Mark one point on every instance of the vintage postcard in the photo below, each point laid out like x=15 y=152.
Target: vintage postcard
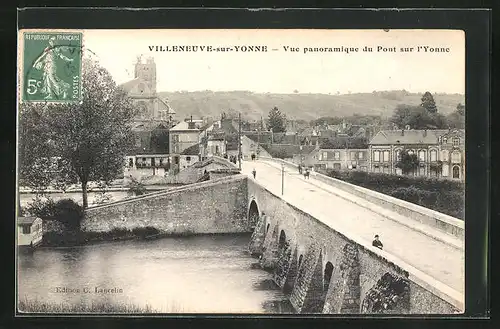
x=241 y=171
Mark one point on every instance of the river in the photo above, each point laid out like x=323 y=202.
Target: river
x=200 y=274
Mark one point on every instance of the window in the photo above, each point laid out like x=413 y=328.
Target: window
x=138 y=142
x=175 y=138
x=26 y=229
x=421 y=155
x=433 y=154
x=386 y=156
x=143 y=160
x=324 y=156
x=376 y=169
x=130 y=162
x=445 y=170
x=176 y=149
x=456 y=141
x=216 y=149
x=336 y=166
x=360 y=155
x=376 y=156
x=445 y=140
x=153 y=162
x=363 y=168
x=421 y=171
x=456 y=172
x=445 y=155
x=398 y=155
x=176 y=160
x=188 y=159
x=336 y=155
x=455 y=157
x=353 y=155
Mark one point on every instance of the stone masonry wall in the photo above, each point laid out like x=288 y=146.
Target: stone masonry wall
x=208 y=207
x=357 y=268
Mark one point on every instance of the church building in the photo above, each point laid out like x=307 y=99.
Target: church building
x=152 y=109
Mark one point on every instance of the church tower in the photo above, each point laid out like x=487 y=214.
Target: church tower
x=147 y=72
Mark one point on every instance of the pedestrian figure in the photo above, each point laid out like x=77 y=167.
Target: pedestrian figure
x=306 y=174
x=300 y=169
x=253 y=156
x=377 y=243
x=254 y=173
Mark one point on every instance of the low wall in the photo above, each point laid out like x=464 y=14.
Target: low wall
x=443 y=222
x=217 y=206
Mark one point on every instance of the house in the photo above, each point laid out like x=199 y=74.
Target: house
x=452 y=154
x=187 y=157
x=142 y=90
x=29 y=231
x=338 y=159
x=150 y=153
x=440 y=152
x=183 y=135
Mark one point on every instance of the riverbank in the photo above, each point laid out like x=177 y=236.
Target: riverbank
x=26 y=305
x=80 y=238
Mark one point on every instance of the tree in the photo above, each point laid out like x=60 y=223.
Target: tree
x=461 y=109
x=417 y=117
x=90 y=139
x=456 y=119
x=35 y=147
x=407 y=162
x=322 y=121
x=428 y=103
x=277 y=121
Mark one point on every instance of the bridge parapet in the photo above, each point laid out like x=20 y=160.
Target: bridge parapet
x=442 y=222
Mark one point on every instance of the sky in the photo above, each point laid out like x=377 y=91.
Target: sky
x=283 y=71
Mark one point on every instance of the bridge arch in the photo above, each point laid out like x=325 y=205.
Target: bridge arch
x=253 y=214
x=327 y=275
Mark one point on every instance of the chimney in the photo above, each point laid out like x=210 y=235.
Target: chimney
x=402 y=132
x=425 y=132
x=191 y=118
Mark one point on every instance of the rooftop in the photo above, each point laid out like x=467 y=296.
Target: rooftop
x=26 y=220
x=192 y=150
x=430 y=136
x=184 y=126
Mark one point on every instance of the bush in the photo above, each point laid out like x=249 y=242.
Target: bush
x=442 y=195
x=42 y=206
x=66 y=211
x=136 y=188
x=410 y=194
x=69 y=213
x=143 y=232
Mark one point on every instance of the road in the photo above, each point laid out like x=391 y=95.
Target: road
x=433 y=257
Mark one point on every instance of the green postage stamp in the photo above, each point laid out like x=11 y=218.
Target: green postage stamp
x=51 y=66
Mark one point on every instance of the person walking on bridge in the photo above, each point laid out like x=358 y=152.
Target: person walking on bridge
x=254 y=173
x=377 y=243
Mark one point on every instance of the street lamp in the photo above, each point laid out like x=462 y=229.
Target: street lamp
x=282 y=178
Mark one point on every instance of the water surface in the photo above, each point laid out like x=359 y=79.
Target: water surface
x=201 y=274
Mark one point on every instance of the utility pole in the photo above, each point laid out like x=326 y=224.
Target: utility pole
x=239 y=140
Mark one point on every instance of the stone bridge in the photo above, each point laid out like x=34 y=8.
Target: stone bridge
x=315 y=237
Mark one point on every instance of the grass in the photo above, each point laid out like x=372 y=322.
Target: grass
x=36 y=306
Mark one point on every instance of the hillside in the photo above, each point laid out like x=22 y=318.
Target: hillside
x=299 y=106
